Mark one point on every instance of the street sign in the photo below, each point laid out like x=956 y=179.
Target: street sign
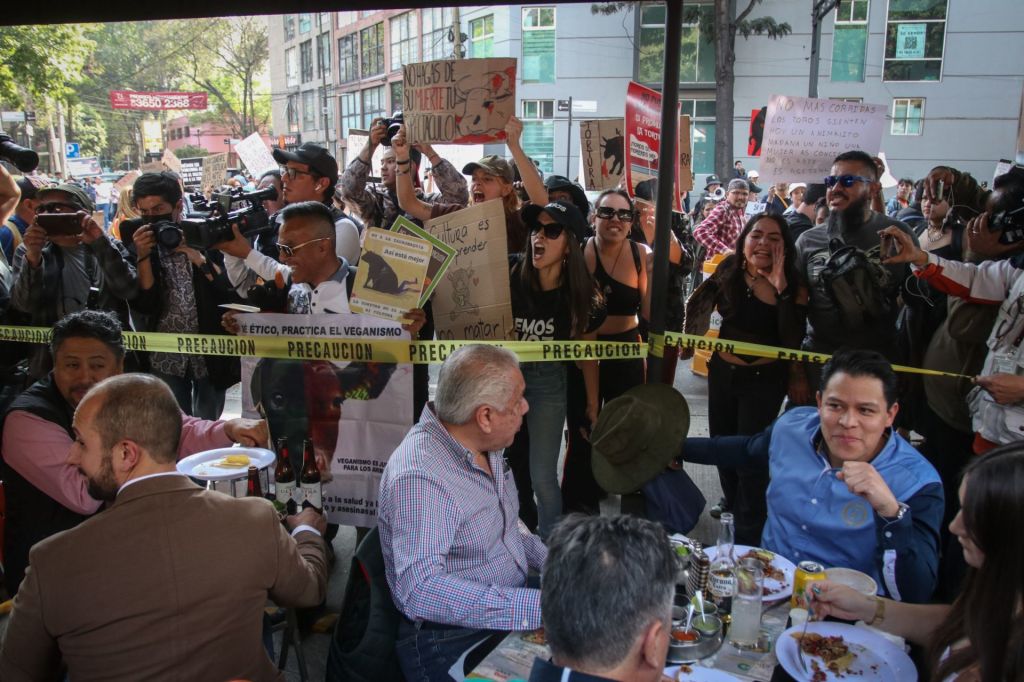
x=72 y=150
x=584 y=106
x=563 y=105
x=30 y=115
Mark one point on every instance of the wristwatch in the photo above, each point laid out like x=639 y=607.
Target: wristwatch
x=904 y=508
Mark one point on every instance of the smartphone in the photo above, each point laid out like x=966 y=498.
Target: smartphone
x=940 y=191
x=60 y=224
x=890 y=246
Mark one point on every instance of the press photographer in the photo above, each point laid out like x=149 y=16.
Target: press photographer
x=181 y=287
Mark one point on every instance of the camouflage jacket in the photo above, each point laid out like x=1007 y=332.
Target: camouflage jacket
x=378 y=206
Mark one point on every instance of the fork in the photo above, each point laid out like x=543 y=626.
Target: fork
x=800 y=645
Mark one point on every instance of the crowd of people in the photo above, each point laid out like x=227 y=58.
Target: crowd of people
x=860 y=470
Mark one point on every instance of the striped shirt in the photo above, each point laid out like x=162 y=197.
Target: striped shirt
x=455 y=551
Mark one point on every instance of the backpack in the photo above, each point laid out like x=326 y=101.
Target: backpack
x=856 y=284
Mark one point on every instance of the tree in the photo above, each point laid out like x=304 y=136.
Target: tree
x=721 y=26
x=190 y=151
x=41 y=61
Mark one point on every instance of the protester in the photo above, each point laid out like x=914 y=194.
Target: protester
x=901 y=199
x=23 y=214
x=776 y=199
x=802 y=217
x=457 y=559
x=711 y=186
x=44 y=494
x=104 y=189
x=606 y=600
x=103 y=598
x=758 y=293
x=752 y=177
x=561 y=188
x=125 y=211
x=718 y=232
x=981 y=635
x=739 y=171
x=795 y=191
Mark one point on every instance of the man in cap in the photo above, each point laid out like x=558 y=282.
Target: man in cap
x=561 y=188
x=795 y=192
x=719 y=231
x=752 y=177
x=57 y=274
x=711 y=185
x=13 y=229
x=803 y=215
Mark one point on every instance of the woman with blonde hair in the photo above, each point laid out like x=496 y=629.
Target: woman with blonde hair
x=125 y=211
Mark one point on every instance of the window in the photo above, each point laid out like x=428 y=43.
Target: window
x=292 y=111
x=437 y=22
x=371 y=42
x=373 y=105
x=849 y=41
x=291 y=67
x=915 y=39
x=188 y=132
x=289 y=26
x=308 y=110
x=539 y=132
x=702 y=133
x=346 y=18
x=907 y=115
x=348 y=106
x=323 y=55
x=481 y=37
x=538 y=45
x=348 y=59
x=697 y=52
x=306 y=61
x=396 y=95
x=403 y=40
x=326 y=109
x=305 y=23
x=538 y=108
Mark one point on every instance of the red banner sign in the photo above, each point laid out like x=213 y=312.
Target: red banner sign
x=130 y=99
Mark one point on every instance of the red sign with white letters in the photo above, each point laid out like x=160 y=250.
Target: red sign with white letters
x=131 y=99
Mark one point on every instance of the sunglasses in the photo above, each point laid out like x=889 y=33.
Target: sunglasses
x=290 y=173
x=845 y=180
x=624 y=215
x=58 y=207
x=550 y=230
x=289 y=251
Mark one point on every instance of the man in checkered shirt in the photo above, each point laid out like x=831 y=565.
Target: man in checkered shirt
x=719 y=231
x=456 y=554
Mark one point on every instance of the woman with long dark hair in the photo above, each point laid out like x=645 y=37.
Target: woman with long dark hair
x=981 y=635
x=757 y=291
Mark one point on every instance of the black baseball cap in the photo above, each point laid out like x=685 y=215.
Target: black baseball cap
x=314 y=156
x=563 y=213
x=711 y=180
x=77 y=194
x=579 y=197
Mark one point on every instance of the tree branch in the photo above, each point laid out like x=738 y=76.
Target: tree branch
x=745 y=13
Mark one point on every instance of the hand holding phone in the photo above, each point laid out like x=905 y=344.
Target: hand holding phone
x=61 y=224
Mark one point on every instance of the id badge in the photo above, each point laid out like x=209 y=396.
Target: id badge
x=1005 y=363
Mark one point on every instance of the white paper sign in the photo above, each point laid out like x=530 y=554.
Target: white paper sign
x=256 y=156
x=802 y=136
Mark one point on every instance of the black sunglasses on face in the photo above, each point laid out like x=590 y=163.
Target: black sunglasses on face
x=58 y=207
x=845 y=180
x=607 y=213
x=551 y=230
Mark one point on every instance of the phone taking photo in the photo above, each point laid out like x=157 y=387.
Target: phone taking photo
x=890 y=246
x=60 y=224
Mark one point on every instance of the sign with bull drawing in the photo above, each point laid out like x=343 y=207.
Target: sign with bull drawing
x=602 y=155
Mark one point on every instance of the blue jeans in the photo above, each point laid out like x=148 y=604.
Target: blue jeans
x=427 y=655
x=196 y=397
x=545 y=393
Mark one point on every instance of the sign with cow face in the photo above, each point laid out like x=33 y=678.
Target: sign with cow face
x=601 y=151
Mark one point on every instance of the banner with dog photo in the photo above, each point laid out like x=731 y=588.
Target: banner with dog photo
x=356 y=410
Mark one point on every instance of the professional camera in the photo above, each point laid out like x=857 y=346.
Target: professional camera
x=208 y=231
x=26 y=160
x=168 y=233
x=393 y=124
x=199 y=202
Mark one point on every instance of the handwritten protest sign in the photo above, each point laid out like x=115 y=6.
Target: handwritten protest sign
x=215 y=166
x=472 y=300
x=441 y=255
x=643 y=145
x=462 y=101
x=356 y=411
x=803 y=135
x=170 y=161
x=256 y=156
x=192 y=172
x=602 y=152
x=392 y=270
x=127 y=180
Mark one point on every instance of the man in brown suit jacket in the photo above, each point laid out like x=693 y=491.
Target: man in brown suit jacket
x=170 y=582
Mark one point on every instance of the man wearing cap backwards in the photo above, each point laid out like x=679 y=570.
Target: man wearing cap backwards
x=57 y=275
x=719 y=231
x=378 y=204
x=456 y=555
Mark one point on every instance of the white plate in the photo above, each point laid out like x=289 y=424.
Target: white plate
x=778 y=590
x=700 y=674
x=877 y=657
x=198 y=465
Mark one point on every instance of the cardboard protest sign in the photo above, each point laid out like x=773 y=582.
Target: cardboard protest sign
x=215 y=166
x=684 y=149
x=803 y=135
x=462 y=101
x=126 y=180
x=643 y=145
x=392 y=270
x=152 y=167
x=357 y=139
x=256 y=156
x=472 y=300
x=192 y=172
x=355 y=412
x=602 y=152
x=170 y=161
x=441 y=255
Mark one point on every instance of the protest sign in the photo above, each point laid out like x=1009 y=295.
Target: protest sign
x=357 y=139
x=126 y=180
x=152 y=136
x=472 y=300
x=602 y=152
x=192 y=172
x=753 y=208
x=441 y=255
x=256 y=156
x=83 y=167
x=152 y=167
x=392 y=270
x=356 y=411
x=170 y=161
x=643 y=145
x=684 y=149
x=215 y=166
x=462 y=101
x=803 y=135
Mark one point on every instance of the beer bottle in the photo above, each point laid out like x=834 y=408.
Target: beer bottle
x=254 y=488
x=722 y=575
x=284 y=477
x=309 y=478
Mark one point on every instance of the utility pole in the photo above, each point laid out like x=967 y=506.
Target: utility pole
x=456 y=32
x=819 y=10
x=62 y=139
x=568 y=141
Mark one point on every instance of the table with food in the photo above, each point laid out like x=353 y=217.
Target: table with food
x=776 y=642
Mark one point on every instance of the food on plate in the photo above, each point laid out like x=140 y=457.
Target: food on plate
x=765 y=557
x=831 y=649
x=535 y=637
x=232 y=462
x=683 y=670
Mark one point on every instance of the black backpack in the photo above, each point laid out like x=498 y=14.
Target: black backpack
x=856 y=284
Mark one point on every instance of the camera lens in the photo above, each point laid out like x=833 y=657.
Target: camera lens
x=169 y=236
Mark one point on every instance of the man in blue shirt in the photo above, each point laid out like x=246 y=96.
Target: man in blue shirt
x=846 y=489
x=14 y=229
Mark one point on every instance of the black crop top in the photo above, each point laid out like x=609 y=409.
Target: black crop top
x=619 y=298
x=751 y=319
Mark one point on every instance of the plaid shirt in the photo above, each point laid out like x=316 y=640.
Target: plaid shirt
x=720 y=230
x=454 y=549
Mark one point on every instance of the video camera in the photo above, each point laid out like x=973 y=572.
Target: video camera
x=206 y=230
x=394 y=124
x=24 y=159
x=1007 y=207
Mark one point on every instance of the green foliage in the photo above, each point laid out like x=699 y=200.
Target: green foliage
x=86 y=127
x=607 y=8
x=42 y=60
x=190 y=151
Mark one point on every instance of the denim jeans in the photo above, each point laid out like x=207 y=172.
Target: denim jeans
x=428 y=655
x=545 y=393
x=196 y=397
